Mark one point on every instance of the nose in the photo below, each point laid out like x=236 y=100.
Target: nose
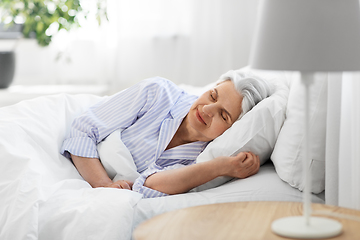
x=209 y=109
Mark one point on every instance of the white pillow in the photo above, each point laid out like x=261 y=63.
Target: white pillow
x=116 y=158
x=288 y=151
x=257 y=131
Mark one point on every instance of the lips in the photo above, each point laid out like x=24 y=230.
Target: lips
x=198 y=116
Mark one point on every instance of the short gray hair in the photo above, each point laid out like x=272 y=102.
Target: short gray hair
x=251 y=87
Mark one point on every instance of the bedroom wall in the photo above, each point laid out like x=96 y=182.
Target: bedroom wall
x=190 y=42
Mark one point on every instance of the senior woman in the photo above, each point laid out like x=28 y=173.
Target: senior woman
x=165 y=129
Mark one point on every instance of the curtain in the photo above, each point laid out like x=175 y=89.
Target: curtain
x=343 y=141
x=186 y=41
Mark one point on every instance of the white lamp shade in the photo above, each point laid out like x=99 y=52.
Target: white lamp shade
x=307 y=35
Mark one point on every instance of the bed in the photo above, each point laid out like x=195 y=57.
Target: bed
x=42 y=196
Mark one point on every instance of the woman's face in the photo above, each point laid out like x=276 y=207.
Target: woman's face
x=215 y=111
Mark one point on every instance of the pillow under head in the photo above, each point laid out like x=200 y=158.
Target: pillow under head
x=256 y=131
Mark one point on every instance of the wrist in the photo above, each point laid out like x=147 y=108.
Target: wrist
x=102 y=183
x=222 y=166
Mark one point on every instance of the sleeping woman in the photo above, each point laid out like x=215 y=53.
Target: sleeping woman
x=165 y=129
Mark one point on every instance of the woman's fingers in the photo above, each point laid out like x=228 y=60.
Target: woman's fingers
x=241 y=156
x=249 y=164
x=254 y=168
x=122 y=184
x=250 y=160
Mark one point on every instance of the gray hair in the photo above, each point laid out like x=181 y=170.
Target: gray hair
x=252 y=88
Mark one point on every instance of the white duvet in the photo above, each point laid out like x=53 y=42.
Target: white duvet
x=42 y=196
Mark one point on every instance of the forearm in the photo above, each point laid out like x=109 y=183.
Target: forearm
x=182 y=180
x=92 y=171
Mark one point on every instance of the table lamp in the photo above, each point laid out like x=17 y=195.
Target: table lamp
x=308 y=36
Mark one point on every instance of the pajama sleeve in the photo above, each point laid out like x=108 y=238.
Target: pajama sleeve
x=118 y=112
x=148 y=192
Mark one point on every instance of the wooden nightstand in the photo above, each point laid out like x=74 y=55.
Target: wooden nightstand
x=238 y=220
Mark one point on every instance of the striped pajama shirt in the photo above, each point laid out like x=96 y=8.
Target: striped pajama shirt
x=148 y=114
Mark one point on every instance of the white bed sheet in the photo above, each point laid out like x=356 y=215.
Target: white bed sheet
x=264 y=186
x=42 y=196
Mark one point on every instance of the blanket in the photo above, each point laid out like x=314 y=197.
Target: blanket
x=42 y=194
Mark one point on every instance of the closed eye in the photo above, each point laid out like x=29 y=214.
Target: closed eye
x=212 y=95
x=223 y=116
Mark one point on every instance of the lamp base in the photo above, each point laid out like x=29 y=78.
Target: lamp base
x=296 y=227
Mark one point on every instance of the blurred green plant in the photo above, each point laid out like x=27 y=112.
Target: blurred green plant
x=43 y=18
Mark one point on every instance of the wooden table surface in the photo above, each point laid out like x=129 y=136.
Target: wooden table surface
x=238 y=220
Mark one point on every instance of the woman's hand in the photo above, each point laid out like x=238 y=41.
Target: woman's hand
x=94 y=173
x=243 y=165
x=121 y=184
